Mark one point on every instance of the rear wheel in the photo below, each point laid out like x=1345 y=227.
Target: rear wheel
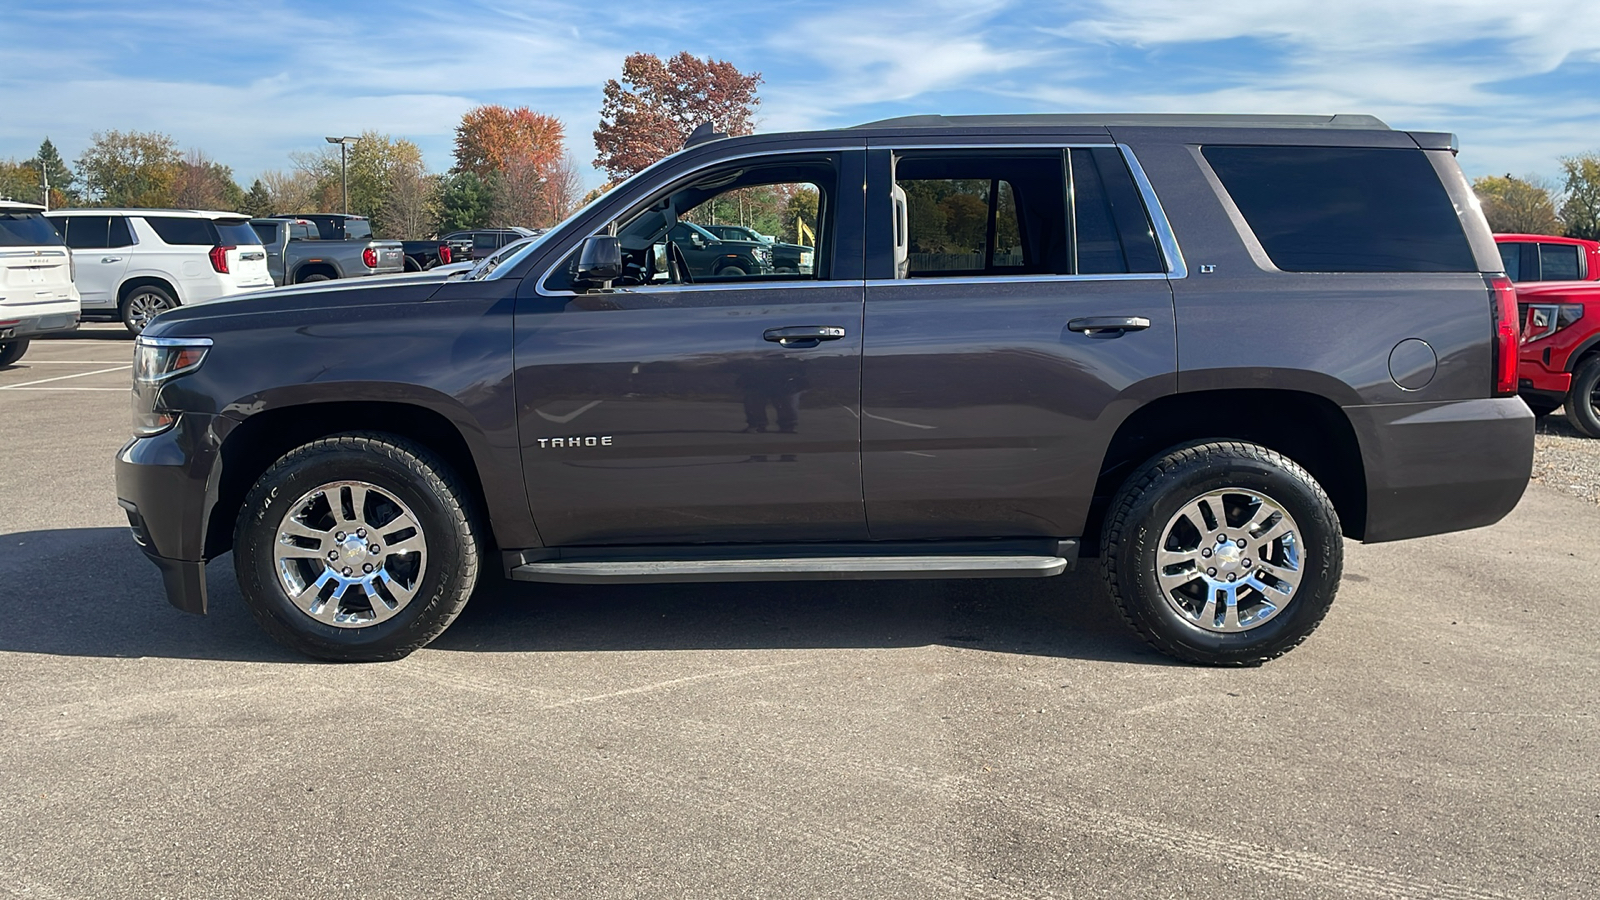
x=1583 y=401
x=1222 y=553
x=143 y=304
x=318 y=277
x=12 y=350
x=357 y=547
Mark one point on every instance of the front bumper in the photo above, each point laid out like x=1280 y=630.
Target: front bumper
x=167 y=485
x=1433 y=468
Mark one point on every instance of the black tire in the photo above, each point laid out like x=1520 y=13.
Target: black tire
x=1541 y=408
x=144 y=303
x=1158 y=490
x=412 y=265
x=315 y=277
x=731 y=272
x=413 y=475
x=12 y=350
x=1583 y=401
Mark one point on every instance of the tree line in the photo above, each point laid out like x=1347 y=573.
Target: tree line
x=1535 y=205
x=511 y=165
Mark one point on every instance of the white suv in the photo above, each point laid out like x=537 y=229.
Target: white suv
x=134 y=263
x=36 y=292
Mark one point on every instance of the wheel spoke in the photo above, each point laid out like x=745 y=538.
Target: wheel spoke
x=300 y=529
x=307 y=597
x=1166 y=558
x=1287 y=579
x=411 y=544
x=1264 y=511
x=380 y=607
x=1282 y=527
x=400 y=592
x=1208 y=613
x=1230 y=611
x=358 y=505
x=330 y=609
x=398 y=524
x=292 y=551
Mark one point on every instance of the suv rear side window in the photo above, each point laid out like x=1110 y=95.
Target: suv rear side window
x=183 y=230
x=1344 y=209
x=86 y=232
x=1013 y=214
x=27 y=229
x=1558 y=262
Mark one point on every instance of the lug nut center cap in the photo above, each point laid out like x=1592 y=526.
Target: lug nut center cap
x=353 y=549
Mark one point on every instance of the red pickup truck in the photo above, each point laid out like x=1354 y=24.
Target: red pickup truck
x=1558 y=296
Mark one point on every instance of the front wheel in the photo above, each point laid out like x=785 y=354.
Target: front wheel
x=12 y=350
x=143 y=304
x=358 y=547
x=1583 y=401
x=1222 y=553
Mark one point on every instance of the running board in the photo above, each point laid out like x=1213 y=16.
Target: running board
x=825 y=568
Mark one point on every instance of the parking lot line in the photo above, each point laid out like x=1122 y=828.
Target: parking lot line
x=13 y=387
x=19 y=388
x=69 y=362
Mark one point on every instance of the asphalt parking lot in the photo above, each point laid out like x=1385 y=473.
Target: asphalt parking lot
x=1436 y=738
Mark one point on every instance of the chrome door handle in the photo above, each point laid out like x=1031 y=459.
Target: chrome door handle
x=804 y=335
x=110 y=259
x=1110 y=326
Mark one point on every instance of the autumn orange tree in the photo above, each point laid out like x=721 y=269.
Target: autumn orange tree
x=494 y=138
x=656 y=105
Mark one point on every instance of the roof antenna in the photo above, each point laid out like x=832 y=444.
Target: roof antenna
x=703 y=132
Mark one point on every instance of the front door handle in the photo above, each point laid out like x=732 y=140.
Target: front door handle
x=1109 y=326
x=804 y=335
x=110 y=259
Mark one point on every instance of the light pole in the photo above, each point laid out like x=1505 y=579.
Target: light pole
x=344 y=179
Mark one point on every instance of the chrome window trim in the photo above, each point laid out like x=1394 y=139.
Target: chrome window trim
x=1176 y=267
x=719 y=286
x=1017 y=279
x=10 y=254
x=539 y=288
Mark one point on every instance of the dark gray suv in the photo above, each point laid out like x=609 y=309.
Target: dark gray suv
x=1202 y=349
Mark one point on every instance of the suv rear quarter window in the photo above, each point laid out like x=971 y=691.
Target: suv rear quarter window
x=183 y=231
x=1344 y=209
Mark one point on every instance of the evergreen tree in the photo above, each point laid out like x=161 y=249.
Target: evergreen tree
x=466 y=201
x=258 y=202
x=49 y=162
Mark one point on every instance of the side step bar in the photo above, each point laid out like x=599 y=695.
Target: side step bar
x=826 y=568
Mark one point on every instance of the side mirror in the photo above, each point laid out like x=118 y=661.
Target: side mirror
x=600 y=259
x=698 y=241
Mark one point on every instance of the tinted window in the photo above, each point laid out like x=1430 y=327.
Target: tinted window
x=1511 y=260
x=1558 y=262
x=1343 y=209
x=485 y=240
x=183 y=231
x=984 y=215
x=120 y=235
x=235 y=233
x=1113 y=230
x=27 y=229
x=87 y=232
x=266 y=232
x=357 y=230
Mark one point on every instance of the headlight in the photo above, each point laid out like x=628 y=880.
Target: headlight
x=1545 y=319
x=763 y=256
x=157 y=361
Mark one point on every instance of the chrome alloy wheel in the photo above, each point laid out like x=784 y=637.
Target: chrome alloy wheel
x=350 y=554
x=1230 y=560
x=144 y=306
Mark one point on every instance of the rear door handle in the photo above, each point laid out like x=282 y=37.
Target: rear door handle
x=1108 y=325
x=804 y=335
x=110 y=259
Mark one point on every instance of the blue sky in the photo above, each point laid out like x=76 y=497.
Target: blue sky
x=251 y=82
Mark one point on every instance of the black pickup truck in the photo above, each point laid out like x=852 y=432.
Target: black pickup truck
x=1204 y=349
x=419 y=255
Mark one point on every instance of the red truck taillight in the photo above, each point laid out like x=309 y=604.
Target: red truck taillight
x=219 y=259
x=370 y=257
x=1507 y=334
x=444 y=254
